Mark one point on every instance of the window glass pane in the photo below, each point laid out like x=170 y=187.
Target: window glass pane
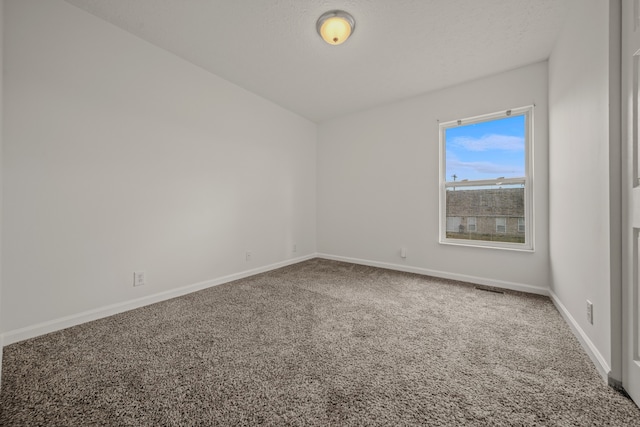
x=471 y=224
x=486 y=150
x=453 y=223
x=485 y=188
x=495 y=213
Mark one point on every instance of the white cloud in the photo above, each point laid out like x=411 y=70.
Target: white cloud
x=493 y=169
x=490 y=142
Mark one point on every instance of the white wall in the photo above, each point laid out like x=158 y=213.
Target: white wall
x=1 y=173
x=119 y=156
x=615 y=187
x=378 y=183
x=579 y=198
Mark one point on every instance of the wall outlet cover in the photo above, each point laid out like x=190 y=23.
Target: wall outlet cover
x=139 y=278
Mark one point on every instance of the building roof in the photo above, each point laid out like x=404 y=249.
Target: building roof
x=494 y=202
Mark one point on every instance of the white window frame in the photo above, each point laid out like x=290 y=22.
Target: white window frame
x=501 y=221
x=522 y=225
x=527 y=181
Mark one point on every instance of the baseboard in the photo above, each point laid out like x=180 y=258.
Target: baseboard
x=1 y=346
x=616 y=384
x=33 y=331
x=598 y=360
x=442 y=274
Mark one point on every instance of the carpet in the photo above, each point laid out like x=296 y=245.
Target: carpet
x=316 y=343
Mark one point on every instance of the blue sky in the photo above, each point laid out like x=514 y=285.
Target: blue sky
x=486 y=150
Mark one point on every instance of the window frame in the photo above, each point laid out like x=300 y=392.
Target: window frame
x=503 y=221
x=528 y=181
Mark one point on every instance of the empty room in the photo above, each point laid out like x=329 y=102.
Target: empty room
x=301 y=212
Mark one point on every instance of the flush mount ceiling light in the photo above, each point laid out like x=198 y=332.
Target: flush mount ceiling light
x=335 y=26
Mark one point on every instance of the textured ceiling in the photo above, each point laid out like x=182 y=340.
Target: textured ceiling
x=400 y=48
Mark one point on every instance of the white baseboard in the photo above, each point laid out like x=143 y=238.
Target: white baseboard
x=33 y=331
x=1 y=346
x=443 y=274
x=596 y=358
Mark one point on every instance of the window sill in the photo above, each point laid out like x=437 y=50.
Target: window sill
x=489 y=245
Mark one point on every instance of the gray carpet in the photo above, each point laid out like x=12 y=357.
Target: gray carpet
x=317 y=343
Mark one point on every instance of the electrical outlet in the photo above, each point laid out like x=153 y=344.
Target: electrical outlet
x=403 y=252
x=590 y=312
x=248 y=256
x=139 y=278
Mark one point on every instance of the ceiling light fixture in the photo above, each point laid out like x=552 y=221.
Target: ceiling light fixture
x=335 y=26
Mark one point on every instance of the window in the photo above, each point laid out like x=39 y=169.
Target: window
x=471 y=224
x=486 y=177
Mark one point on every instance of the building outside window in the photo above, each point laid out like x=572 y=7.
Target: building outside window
x=471 y=224
x=454 y=223
x=486 y=186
